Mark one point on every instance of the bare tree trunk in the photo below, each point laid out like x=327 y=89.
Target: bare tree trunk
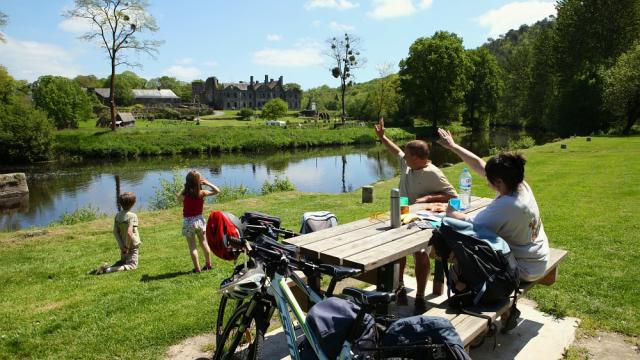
x=344 y=90
x=112 y=94
x=632 y=116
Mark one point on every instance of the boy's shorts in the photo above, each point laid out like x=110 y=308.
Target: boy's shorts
x=131 y=259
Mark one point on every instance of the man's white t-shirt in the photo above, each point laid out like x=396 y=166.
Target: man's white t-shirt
x=516 y=218
x=415 y=184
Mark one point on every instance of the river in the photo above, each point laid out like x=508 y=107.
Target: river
x=57 y=188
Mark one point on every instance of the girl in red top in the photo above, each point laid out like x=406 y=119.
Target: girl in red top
x=192 y=198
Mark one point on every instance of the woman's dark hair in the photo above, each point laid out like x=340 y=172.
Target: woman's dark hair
x=192 y=185
x=508 y=167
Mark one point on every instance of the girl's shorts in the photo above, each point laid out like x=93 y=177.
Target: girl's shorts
x=192 y=226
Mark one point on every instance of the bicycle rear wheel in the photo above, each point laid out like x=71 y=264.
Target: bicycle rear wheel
x=243 y=336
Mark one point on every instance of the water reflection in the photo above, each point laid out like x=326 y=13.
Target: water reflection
x=57 y=188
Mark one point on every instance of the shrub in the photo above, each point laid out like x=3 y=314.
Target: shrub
x=278 y=185
x=82 y=214
x=274 y=109
x=245 y=114
x=26 y=134
x=523 y=142
x=230 y=193
x=165 y=196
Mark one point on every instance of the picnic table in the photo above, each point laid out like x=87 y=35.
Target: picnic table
x=371 y=245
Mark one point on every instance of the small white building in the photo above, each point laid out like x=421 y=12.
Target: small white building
x=276 y=123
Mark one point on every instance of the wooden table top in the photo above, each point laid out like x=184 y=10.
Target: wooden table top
x=370 y=243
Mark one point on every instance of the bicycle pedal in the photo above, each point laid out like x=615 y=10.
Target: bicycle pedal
x=297 y=327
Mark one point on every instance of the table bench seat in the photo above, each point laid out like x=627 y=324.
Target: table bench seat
x=471 y=327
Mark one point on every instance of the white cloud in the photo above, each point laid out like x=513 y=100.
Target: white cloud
x=185 y=61
x=512 y=15
x=185 y=73
x=274 y=37
x=340 y=27
x=330 y=4
x=385 y=9
x=29 y=60
x=300 y=55
x=210 y=63
x=75 y=25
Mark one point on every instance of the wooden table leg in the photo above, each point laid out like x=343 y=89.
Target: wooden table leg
x=438 y=277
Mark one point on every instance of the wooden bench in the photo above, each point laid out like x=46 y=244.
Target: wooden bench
x=472 y=327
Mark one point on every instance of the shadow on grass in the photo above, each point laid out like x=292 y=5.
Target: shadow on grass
x=147 y=278
x=100 y=133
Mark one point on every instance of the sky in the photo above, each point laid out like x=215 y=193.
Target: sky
x=233 y=40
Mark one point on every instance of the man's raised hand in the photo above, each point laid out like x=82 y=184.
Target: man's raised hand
x=379 y=127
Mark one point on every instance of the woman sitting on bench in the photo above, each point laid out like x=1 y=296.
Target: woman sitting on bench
x=513 y=214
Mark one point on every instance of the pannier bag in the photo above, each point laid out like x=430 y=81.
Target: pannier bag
x=317 y=220
x=221 y=225
x=422 y=337
x=484 y=271
x=331 y=321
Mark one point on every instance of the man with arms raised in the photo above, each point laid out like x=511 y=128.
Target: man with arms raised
x=421 y=182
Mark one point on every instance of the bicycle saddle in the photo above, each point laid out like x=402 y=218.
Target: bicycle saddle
x=373 y=298
x=338 y=272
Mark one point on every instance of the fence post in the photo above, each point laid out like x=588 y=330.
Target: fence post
x=367 y=194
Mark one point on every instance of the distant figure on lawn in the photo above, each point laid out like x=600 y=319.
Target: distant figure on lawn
x=193 y=225
x=421 y=182
x=125 y=230
x=513 y=214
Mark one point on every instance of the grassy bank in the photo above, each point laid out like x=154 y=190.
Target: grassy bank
x=52 y=307
x=164 y=138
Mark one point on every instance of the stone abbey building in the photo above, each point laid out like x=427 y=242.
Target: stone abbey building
x=242 y=95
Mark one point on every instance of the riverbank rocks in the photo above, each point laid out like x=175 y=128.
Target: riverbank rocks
x=14 y=192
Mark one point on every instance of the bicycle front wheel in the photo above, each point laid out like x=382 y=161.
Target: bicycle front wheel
x=242 y=338
x=226 y=309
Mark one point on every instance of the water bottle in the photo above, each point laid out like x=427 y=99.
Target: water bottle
x=465 y=189
x=394 y=211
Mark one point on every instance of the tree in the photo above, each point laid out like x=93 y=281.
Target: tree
x=385 y=94
x=583 y=47
x=62 y=99
x=245 y=114
x=3 y=22
x=274 y=109
x=346 y=56
x=485 y=86
x=433 y=76
x=622 y=88
x=116 y=25
x=127 y=81
x=88 y=81
x=26 y=134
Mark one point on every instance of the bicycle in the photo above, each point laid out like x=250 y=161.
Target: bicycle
x=266 y=290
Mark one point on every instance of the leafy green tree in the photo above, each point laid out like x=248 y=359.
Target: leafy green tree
x=433 y=76
x=3 y=22
x=62 y=99
x=583 y=46
x=127 y=81
x=116 y=27
x=385 y=95
x=622 y=88
x=485 y=86
x=88 y=81
x=345 y=53
x=288 y=86
x=274 y=109
x=26 y=134
x=543 y=83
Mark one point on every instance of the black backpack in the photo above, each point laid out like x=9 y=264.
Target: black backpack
x=484 y=264
x=424 y=338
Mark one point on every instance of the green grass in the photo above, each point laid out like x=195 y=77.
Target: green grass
x=168 y=137
x=52 y=307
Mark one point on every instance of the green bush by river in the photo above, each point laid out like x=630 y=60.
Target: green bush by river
x=186 y=139
x=53 y=307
